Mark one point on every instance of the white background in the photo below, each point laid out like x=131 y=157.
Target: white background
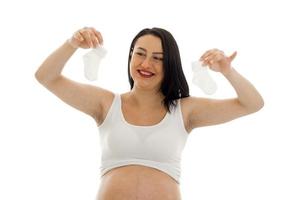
x=48 y=150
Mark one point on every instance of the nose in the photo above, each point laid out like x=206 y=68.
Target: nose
x=146 y=62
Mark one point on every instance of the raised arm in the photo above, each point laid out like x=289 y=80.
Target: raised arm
x=205 y=111
x=86 y=98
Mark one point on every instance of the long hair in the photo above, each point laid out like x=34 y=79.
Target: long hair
x=174 y=85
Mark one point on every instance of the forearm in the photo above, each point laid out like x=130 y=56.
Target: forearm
x=52 y=67
x=248 y=96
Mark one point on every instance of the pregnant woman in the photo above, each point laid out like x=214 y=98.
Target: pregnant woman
x=144 y=130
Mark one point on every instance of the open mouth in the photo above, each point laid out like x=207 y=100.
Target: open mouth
x=145 y=74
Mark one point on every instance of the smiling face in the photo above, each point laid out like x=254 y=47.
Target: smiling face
x=146 y=65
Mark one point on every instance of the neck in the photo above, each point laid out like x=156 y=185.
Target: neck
x=144 y=98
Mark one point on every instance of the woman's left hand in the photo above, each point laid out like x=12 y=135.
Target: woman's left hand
x=217 y=61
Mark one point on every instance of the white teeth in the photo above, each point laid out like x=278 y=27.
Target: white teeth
x=145 y=73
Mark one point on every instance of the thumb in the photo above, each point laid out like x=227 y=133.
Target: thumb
x=232 y=56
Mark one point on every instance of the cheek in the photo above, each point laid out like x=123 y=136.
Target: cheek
x=160 y=70
x=133 y=64
x=132 y=70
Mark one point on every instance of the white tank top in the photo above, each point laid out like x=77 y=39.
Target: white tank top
x=158 y=146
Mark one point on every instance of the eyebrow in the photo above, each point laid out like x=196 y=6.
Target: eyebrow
x=153 y=52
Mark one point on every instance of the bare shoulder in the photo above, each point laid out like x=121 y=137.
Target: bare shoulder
x=185 y=104
x=186 y=101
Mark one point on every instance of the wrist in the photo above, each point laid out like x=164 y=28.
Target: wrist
x=69 y=42
x=228 y=72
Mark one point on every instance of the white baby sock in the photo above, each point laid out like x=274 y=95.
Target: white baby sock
x=91 y=61
x=202 y=79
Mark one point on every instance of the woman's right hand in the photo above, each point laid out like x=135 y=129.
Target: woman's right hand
x=87 y=37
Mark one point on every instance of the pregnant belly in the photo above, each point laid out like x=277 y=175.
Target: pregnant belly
x=136 y=182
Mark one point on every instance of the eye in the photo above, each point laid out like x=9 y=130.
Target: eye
x=140 y=54
x=157 y=58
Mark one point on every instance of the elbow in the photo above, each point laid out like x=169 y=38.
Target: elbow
x=37 y=76
x=260 y=103
x=43 y=77
x=253 y=106
x=257 y=106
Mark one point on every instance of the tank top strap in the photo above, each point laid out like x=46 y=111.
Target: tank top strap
x=112 y=111
x=117 y=103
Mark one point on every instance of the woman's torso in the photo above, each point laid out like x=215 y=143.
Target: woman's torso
x=137 y=182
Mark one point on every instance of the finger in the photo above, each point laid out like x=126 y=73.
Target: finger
x=204 y=55
x=94 y=40
x=213 y=55
x=218 y=56
x=78 y=36
x=206 y=60
x=233 y=56
x=85 y=33
x=98 y=35
x=209 y=52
